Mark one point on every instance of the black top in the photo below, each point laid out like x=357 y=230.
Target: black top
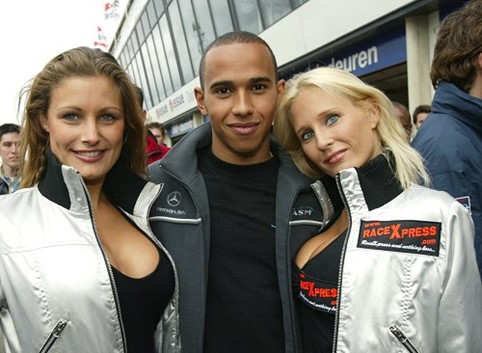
x=316 y=285
x=142 y=303
x=243 y=309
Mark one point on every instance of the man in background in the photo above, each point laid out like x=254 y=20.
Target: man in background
x=9 y=179
x=420 y=114
x=159 y=131
x=403 y=115
x=450 y=139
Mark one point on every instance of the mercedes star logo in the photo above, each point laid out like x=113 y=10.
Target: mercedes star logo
x=174 y=198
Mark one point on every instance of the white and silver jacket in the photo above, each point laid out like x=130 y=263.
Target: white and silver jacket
x=408 y=277
x=57 y=292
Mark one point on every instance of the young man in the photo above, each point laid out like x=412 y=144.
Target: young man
x=159 y=132
x=236 y=209
x=9 y=136
x=450 y=139
x=420 y=114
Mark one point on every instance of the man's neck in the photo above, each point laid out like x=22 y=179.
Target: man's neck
x=476 y=89
x=9 y=172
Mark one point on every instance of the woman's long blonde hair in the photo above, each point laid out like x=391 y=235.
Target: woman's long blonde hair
x=408 y=167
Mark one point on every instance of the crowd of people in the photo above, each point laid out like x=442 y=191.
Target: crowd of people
x=301 y=218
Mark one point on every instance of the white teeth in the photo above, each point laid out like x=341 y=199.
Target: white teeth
x=90 y=153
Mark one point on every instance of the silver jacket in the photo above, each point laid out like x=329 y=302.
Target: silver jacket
x=57 y=292
x=408 y=277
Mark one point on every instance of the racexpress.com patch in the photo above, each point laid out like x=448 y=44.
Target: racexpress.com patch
x=416 y=237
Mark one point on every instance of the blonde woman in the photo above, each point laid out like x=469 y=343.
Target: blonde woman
x=396 y=270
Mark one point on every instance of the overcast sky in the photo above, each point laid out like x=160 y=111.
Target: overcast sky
x=34 y=31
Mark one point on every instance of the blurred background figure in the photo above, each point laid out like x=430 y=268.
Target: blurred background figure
x=420 y=114
x=159 y=131
x=9 y=178
x=450 y=139
x=156 y=151
x=403 y=115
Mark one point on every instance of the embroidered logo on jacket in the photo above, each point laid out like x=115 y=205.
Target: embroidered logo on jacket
x=318 y=294
x=416 y=237
x=174 y=198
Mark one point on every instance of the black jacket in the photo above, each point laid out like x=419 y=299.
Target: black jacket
x=181 y=221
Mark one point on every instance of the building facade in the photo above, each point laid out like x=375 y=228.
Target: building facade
x=387 y=43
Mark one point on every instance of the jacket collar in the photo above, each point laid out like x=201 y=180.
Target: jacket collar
x=201 y=137
x=459 y=104
x=64 y=186
x=60 y=182
x=376 y=180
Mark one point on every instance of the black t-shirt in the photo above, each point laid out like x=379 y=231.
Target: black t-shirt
x=315 y=286
x=243 y=309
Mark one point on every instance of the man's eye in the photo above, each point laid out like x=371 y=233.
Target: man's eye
x=223 y=90
x=331 y=119
x=259 y=87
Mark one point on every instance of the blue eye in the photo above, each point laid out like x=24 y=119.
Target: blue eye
x=305 y=136
x=107 y=118
x=331 y=119
x=71 y=116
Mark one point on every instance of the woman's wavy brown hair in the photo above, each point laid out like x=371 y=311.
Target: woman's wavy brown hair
x=77 y=62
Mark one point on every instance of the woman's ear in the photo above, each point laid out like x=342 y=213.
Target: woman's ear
x=44 y=123
x=373 y=115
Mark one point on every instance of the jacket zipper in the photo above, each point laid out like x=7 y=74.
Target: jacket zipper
x=54 y=335
x=109 y=269
x=342 y=261
x=395 y=330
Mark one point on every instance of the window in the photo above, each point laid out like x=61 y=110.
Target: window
x=248 y=16
x=161 y=54
x=181 y=45
x=192 y=34
x=204 y=23
x=223 y=22
x=170 y=53
x=156 y=70
x=273 y=10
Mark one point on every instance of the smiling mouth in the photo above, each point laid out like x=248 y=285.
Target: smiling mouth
x=244 y=129
x=335 y=158
x=90 y=154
